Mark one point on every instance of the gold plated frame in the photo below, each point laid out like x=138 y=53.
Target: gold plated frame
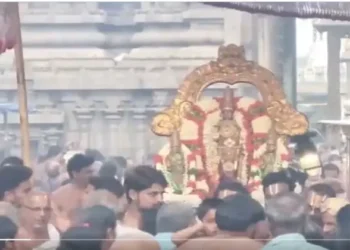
x=231 y=67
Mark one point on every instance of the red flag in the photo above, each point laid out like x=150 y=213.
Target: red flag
x=7 y=26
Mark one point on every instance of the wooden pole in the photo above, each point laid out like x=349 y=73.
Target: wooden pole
x=21 y=88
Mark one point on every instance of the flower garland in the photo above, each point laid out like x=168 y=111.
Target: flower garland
x=189 y=177
x=198 y=144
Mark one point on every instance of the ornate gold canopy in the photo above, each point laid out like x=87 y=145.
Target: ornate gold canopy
x=231 y=67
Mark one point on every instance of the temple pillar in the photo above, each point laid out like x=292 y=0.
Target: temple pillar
x=52 y=137
x=348 y=80
x=266 y=42
x=71 y=126
x=84 y=117
x=140 y=129
x=288 y=61
x=333 y=76
x=97 y=128
x=111 y=135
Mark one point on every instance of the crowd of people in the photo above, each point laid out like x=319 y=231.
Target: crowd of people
x=89 y=203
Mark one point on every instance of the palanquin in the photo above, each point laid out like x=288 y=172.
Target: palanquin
x=225 y=137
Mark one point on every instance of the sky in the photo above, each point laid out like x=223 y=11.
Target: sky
x=304 y=36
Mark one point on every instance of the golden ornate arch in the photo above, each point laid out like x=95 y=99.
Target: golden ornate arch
x=231 y=67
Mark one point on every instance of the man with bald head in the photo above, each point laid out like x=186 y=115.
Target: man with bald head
x=49 y=181
x=34 y=216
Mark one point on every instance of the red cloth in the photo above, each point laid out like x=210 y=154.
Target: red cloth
x=7 y=26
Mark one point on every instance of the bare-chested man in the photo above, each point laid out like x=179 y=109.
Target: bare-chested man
x=236 y=218
x=15 y=184
x=34 y=217
x=111 y=194
x=144 y=188
x=68 y=198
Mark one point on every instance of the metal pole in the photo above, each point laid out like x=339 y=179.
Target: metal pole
x=21 y=89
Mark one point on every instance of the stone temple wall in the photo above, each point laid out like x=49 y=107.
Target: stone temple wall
x=98 y=72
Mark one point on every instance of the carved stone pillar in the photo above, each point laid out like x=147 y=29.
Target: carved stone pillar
x=71 y=126
x=52 y=137
x=140 y=144
x=267 y=51
x=84 y=117
x=333 y=75
x=111 y=134
x=97 y=130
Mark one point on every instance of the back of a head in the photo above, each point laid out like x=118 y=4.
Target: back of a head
x=97 y=217
x=143 y=177
x=121 y=161
x=238 y=212
x=78 y=162
x=278 y=177
x=286 y=212
x=174 y=216
x=11 y=177
x=94 y=154
x=206 y=205
x=108 y=183
x=343 y=228
x=323 y=189
x=53 y=151
x=8 y=231
x=294 y=173
x=11 y=161
x=108 y=169
x=82 y=238
x=330 y=166
x=312 y=230
x=228 y=184
x=107 y=199
x=343 y=220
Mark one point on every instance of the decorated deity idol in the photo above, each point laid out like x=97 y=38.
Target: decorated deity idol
x=269 y=158
x=227 y=137
x=178 y=164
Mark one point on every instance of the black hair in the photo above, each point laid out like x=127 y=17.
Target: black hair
x=230 y=185
x=330 y=166
x=335 y=157
x=108 y=168
x=121 y=161
x=11 y=177
x=237 y=212
x=11 y=161
x=343 y=228
x=313 y=232
x=53 y=151
x=82 y=238
x=278 y=177
x=8 y=231
x=323 y=189
x=97 y=217
x=295 y=175
x=95 y=154
x=109 y=184
x=206 y=205
x=78 y=162
x=143 y=177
